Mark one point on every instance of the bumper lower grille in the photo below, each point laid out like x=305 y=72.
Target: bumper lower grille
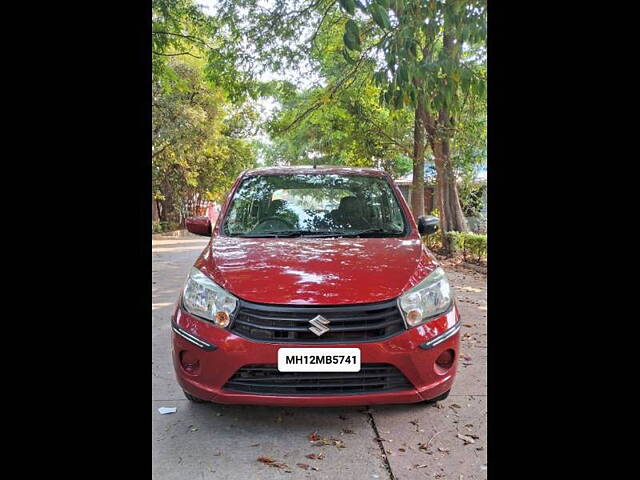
x=347 y=324
x=267 y=380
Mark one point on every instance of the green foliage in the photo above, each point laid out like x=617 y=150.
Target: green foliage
x=471 y=195
x=197 y=141
x=179 y=28
x=425 y=56
x=471 y=245
x=198 y=136
x=402 y=165
x=380 y=15
x=352 y=129
x=162 y=227
x=376 y=63
x=425 y=61
x=348 y=5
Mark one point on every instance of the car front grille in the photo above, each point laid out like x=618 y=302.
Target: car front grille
x=267 y=380
x=290 y=324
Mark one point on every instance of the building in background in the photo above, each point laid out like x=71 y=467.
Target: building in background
x=476 y=223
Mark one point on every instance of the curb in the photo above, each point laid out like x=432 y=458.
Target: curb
x=471 y=266
x=167 y=235
x=477 y=268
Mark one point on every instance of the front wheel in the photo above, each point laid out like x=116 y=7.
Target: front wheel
x=442 y=396
x=193 y=399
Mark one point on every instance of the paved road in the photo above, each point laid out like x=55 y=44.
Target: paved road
x=383 y=442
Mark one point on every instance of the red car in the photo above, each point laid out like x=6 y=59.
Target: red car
x=315 y=289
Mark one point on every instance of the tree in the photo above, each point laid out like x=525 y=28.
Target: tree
x=352 y=130
x=343 y=121
x=199 y=135
x=429 y=56
x=427 y=67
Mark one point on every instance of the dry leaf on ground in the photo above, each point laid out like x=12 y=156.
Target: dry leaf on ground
x=313 y=456
x=466 y=438
x=272 y=463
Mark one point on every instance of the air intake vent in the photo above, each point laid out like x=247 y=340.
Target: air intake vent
x=267 y=380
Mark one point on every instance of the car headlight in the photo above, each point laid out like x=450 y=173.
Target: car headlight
x=202 y=297
x=427 y=300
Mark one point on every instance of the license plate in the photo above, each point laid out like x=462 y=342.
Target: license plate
x=319 y=359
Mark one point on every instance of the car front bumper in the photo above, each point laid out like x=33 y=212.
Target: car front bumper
x=221 y=353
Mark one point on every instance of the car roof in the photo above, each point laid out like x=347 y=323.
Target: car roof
x=318 y=170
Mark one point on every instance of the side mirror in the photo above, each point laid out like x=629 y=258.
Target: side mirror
x=199 y=226
x=428 y=224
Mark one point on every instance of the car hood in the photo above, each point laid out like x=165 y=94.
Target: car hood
x=316 y=271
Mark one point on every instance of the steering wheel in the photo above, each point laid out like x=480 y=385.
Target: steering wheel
x=263 y=222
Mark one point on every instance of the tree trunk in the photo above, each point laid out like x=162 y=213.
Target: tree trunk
x=448 y=201
x=451 y=215
x=155 y=216
x=417 y=192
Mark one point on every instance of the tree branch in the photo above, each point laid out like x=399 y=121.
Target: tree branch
x=188 y=37
x=315 y=34
x=333 y=91
x=176 y=54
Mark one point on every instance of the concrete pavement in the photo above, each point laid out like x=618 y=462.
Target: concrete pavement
x=382 y=442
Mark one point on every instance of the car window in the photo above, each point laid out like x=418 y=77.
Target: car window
x=308 y=204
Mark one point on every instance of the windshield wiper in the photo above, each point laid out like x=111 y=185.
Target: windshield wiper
x=292 y=233
x=373 y=232
x=369 y=232
x=284 y=233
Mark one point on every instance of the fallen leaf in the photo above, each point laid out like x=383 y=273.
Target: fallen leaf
x=313 y=456
x=314 y=437
x=470 y=289
x=304 y=466
x=443 y=449
x=272 y=463
x=466 y=438
x=279 y=419
x=348 y=430
x=401 y=450
x=421 y=466
x=329 y=441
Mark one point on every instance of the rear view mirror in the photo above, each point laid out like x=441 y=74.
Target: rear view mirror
x=199 y=226
x=428 y=224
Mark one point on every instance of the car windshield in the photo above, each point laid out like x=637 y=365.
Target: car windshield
x=314 y=205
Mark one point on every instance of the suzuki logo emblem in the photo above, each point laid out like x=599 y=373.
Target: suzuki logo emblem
x=319 y=325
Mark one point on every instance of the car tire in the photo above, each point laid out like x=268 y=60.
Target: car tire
x=442 y=396
x=193 y=399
